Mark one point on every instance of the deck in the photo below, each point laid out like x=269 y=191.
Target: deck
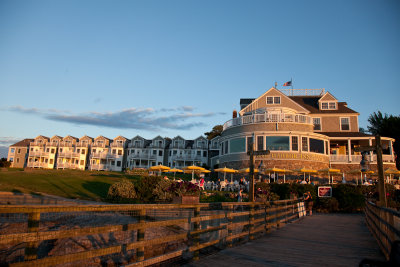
x=318 y=240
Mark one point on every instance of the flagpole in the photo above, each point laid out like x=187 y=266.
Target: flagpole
x=291 y=82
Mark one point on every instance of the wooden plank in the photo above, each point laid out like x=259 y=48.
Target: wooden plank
x=158 y=259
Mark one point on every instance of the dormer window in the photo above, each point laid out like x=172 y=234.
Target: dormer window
x=273 y=100
x=328 y=106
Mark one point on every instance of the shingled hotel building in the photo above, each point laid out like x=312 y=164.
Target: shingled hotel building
x=301 y=127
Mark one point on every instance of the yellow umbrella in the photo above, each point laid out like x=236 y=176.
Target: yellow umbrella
x=304 y=171
x=174 y=170
x=361 y=173
x=274 y=170
x=159 y=168
x=391 y=171
x=329 y=171
x=247 y=170
x=226 y=170
x=192 y=169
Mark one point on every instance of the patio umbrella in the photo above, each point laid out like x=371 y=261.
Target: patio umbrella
x=226 y=170
x=304 y=171
x=247 y=170
x=391 y=171
x=361 y=173
x=159 y=168
x=274 y=170
x=192 y=169
x=329 y=171
x=284 y=174
x=174 y=170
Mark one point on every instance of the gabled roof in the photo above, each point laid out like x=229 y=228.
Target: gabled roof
x=23 y=143
x=200 y=137
x=42 y=137
x=86 y=137
x=311 y=104
x=327 y=97
x=70 y=137
x=158 y=137
x=102 y=137
x=178 y=137
x=120 y=137
x=258 y=103
x=56 y=137
x=138 y=137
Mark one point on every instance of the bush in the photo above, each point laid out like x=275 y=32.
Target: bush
x=151 y=189
x=183 y=189
x=350 y=197
x=121 y=191
x=218 y=197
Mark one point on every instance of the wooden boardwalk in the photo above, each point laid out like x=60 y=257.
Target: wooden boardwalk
x=318 y=240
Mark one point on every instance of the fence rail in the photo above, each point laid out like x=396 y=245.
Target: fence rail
x=384 y=224
x=132 y=235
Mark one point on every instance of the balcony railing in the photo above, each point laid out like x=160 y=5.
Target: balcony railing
x=268 y=117
x=98 y=167
x=36 y=144
x=357 y=158
x=99 y=155
x=117 y=145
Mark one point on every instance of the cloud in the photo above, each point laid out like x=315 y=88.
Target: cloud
x=7 y=141
x=132 y=118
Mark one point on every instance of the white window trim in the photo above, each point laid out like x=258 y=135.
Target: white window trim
x=320 y=123
x=308 y=144
x=340 y=123
x=273 y=100
x=328 y=102
x=290 y=142
x=263 y=137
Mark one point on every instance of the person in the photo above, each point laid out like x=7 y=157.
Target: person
x=309 y=202
x=240 y=195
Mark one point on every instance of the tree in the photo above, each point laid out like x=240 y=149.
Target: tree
x=216 y=131
x=4 y=163
x=386 y=125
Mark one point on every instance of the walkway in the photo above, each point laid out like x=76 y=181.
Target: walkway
x=319 y=240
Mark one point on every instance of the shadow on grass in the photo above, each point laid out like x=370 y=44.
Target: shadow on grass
x=106 y=175
x=100 y=189
x=16 y=191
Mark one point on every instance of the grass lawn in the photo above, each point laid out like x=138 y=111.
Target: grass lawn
x=88 y=185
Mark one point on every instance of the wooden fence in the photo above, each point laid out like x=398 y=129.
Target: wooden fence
x=132 y=235
x=384 y=224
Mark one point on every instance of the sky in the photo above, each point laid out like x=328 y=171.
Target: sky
x=173 y=68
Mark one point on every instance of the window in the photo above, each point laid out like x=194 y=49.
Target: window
x=118 y=163
x=260 y=142
x=237 y=145
x=119 y=152
x=17 y=160
x=82 y=162
x=273 y=100
x=198 y=153
x=11 y=159
x=332 y=105
x=94 y=150
x=19 y=151
x=51 y=161
x=328 y=105
x=324 y=105
x=316 y=146
x=78 y=150
x=326 y=148
x=317 y=124
x=114 y=151
x=53 y=150
x=277 y=142
x=304 y=144
x=226 y=147
x=204 y=154
x=12 y=150
x=48 y=150
x=61 y=150
x=295 y=143
x=83 y=152
x=249 y=143
x=154 y=152
x=112 y=163
x=344 y=124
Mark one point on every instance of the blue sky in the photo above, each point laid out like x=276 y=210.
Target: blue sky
x=180 y=67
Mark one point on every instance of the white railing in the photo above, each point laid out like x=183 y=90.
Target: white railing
x=117 y=145
x=99 y=155
x=357 y=158
x=300 y=92
x=339 y=158
x=98 y=167
x=268 y=117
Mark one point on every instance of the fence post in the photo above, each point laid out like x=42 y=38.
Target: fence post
x=196 y=238
x=140 y=235
x=33 y=226
x=230 y=223
x=251 y=221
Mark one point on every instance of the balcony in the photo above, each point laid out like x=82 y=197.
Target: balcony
x=267 y=117
x=121 y=145
x=80 y=144
x=98 y=167
x=101 y=155
x=357 y=158
x=41 y=144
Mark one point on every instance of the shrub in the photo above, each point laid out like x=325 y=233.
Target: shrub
x=183 y=188
x=350 y=197
x=121 y=191
x=151 y=189
x=329 y=204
